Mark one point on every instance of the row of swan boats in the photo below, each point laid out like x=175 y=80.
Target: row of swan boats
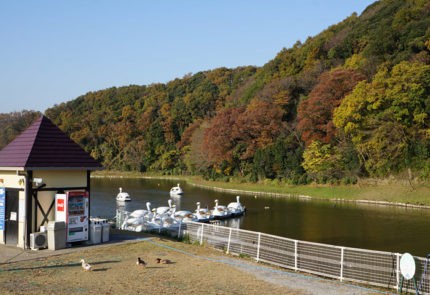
x=175 y=191
x=168 y=218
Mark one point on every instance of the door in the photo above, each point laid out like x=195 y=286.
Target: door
x=11 y=217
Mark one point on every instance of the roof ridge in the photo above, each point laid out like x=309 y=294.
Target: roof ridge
x=34 y=138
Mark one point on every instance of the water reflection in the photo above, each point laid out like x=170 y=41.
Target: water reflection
x=384 y=228
x=235 y=222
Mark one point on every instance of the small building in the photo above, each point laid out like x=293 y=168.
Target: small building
x=39 y=163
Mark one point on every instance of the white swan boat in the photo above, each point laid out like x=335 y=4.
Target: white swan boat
x=220 y=212
x=176 y=191
x=202 y=214
x=163 y=209
x=185 y=216
x=236 y=208
x=123 y=196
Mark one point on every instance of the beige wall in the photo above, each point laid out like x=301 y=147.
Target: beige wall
x=11 y=179
x=56 y=179
x=62 y=178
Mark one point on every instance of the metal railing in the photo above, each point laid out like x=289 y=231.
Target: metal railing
x=370 y=267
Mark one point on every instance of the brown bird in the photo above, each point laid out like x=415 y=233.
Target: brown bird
x=140 y=262
x=157 y=260
x=165 y=261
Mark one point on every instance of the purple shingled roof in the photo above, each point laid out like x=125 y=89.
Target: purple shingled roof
x=44 y=145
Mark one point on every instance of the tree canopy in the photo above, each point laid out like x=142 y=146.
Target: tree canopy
x=350 y=102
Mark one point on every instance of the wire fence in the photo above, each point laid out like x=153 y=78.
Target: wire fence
x=369 y=267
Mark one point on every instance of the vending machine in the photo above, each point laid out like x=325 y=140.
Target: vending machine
x=72 y=208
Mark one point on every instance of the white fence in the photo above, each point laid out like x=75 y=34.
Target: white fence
x=370 y=267
x=343 y=263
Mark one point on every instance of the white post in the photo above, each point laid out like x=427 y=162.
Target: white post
x=397 y=271
x=295 y=255
x=258 y=246
x=201 y=236
x=342 y=249
x=179 y=231
x=229 y=240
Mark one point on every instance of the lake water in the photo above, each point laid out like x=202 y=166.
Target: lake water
x=385 y=228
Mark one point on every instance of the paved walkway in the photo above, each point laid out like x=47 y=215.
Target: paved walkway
x=13 y=254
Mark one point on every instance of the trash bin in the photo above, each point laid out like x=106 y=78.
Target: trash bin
x=105 y=230
x=56 y=235
x=95 y=231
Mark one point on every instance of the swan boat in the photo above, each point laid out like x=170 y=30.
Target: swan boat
x=220 y=212
x=176 y=191
x=202 y=214
x=236 y=208
x=123 y=196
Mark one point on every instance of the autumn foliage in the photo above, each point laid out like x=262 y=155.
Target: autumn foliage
x=315 y=113
x=352 y=101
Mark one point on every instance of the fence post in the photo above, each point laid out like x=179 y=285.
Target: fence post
x=179 y=231
x=201 y=235
x=342 y=250
x=228 y=243
x=295 y=255
x=397 y=270
x=258 y=246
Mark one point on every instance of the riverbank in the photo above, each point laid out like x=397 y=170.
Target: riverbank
x=386 y=193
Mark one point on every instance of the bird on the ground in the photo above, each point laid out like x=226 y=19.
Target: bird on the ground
x=157 y=260
x=140 y=262
x=86 y=266
x=165 y=261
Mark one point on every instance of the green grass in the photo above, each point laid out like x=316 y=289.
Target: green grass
x=393 y=191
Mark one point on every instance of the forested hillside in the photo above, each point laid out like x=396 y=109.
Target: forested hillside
x=353 y=101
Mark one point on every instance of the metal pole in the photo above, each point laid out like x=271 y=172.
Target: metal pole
x=397 y=270
x=258 y=246
x=342 y=250
x=201 y=235
x=295 y=255
x=229 y=240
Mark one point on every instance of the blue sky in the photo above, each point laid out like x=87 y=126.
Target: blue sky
x=53 y=51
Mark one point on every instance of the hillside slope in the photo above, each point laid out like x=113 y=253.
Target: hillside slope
x=308 y=114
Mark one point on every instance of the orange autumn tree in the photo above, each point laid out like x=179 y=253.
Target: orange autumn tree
x=316 y=113
x=255 y=127
x=220 y=138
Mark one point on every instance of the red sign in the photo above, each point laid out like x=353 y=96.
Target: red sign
x=60 y=205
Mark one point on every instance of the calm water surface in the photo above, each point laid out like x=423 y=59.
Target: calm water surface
x=383 y=228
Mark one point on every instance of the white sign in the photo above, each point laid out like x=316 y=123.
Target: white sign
x=407 y=266
x=12 y=216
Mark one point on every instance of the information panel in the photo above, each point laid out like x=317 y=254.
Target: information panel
x=2 y=207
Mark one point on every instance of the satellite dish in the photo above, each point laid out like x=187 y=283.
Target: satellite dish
x=407 y=266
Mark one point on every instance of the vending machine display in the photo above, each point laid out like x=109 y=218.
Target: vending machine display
x=72 y=208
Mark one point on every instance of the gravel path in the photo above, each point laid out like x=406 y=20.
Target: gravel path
x=307 y=283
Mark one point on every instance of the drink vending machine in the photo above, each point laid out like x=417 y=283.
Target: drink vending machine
x=72 y=208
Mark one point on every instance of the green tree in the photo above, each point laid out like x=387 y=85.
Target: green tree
x=388 y=117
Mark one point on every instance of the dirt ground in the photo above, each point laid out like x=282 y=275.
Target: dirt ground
x=114 y=271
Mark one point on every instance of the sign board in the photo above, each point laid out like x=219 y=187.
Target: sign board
x=60 y=205
x=2 y=207
x=407 y=266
